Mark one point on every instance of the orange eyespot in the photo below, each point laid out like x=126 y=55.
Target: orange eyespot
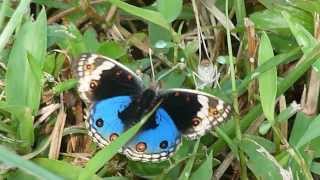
x=141 y=147
x=196 y=121
x=88 y=66
x=113 y=136
x=93 y=84
x=214 y=111
x=129 y=77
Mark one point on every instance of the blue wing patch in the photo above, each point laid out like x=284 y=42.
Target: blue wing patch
x=155 y=144
x=104 y=122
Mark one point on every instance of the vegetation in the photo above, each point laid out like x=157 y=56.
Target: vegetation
x=261 y=56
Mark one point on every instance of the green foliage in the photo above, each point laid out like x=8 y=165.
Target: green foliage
x=267 y=80
x=40 y=39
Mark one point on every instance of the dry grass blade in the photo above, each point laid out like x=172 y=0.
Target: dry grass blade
x=220 y=16
x=45 y=112
x=311 y=104
x=57 y=135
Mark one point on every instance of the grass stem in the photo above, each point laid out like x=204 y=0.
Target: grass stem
x=243 y=171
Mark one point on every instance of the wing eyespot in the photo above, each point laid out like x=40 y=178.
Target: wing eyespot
x=118 y=73
x=113 y=136
x=141 y=147
x=196 y=121
x=99 y=122
x=88 y=67
x=164 y=144
x=213 y=111
x=93 y=84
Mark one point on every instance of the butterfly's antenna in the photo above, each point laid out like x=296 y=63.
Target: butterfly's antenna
x=151 y=65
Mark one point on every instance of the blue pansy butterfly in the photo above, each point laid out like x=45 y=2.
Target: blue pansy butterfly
x=118 y=100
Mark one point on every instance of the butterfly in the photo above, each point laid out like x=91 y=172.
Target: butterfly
x=118 y=99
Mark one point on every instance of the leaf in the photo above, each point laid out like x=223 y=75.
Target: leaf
x=148 y=15
x=24 y=118
x=303 y=37
x=205 y=170
x=10 y=158
x=112 y=50
x=70 y=39
x=37 y=45
x=311 y=132
x=300 y=126
x=271 y=63
x=147 y=170
x=158 y=34
x=268 y=19
x=185 y=174
x=284 y=116
x=61 y=168
x=90 y=38
x=315 y=168
x=53 y=64
x=173 y=80
x=267 y=80
x=25 y=65
x=262 y=163
x=64 y=86
x=14 y=21
x=170 y=9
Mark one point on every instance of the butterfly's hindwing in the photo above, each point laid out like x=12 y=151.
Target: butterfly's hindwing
x=154 y=143
x=101 y=77
x=157 y=143
x=104 y=123
x=194 y=112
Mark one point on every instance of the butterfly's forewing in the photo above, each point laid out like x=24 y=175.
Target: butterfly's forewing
x=101 y=77
x=194 y=112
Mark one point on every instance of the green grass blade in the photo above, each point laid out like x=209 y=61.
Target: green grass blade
x=104 y=155
x=240 y=12
x=23 y=116
x=262 y=163
x=204 y=172
x=185 y=174
x=281 y=118
x=267 y=80
x=14 y=21
x=302 y=36
x=4 y=6
x=10 y=158
x=61 y=168
x=148 y=15
x=311 y=132
x=64 y=86
x=305 y=63
x=170 y=9
x=271 y=63
x=25 y=64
